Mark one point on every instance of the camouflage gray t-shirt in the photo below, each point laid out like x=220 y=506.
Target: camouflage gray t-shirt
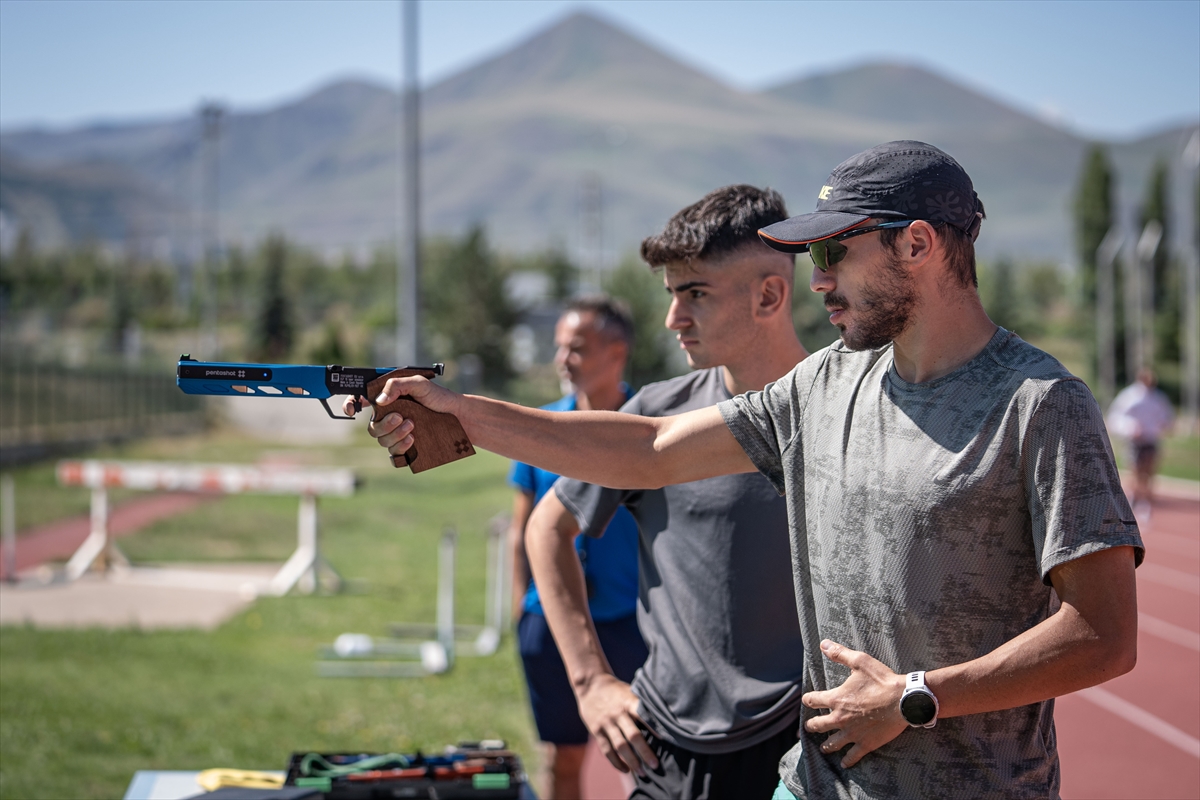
x=925 y=520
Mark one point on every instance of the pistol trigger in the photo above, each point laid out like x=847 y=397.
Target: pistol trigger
x=357 y=404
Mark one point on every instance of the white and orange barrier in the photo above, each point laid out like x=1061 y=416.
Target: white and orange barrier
x=303 y=568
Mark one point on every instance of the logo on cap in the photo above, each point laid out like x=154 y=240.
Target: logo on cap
x=825 y=190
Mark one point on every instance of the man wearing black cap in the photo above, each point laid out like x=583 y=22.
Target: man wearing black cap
x=961 y=547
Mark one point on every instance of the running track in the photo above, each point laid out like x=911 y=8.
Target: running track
x=1138 y=736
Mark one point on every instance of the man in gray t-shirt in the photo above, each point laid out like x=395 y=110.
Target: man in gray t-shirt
x=722 y=675
x=992 y=476
x=961 y=547
x=717 y=702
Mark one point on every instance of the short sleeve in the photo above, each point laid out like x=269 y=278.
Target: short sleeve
x=521 y=476
x=592 y=506
x=765 y=422
x=1076 y=503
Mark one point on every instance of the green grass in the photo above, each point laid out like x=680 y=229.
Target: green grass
x=81 y=711
x=1181 y=457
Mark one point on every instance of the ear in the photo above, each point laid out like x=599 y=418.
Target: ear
x=773 y=297
x=918 y=247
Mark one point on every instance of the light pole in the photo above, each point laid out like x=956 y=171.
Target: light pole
x=210 y=117
x=408 y=261
x=1106 y=257
x=1191 y=293
x=1147 y=248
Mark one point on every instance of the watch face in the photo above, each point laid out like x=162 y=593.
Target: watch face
x=918 y=708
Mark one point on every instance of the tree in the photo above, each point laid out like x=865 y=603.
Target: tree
x=466 y=308
x=563 y=274
x=274 y=333
x=642 y=290
x=999 y=294
x=1093 y=220
x=1093 y=217
x=1168 y=283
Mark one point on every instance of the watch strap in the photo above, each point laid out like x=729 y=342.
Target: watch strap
x=914 y=683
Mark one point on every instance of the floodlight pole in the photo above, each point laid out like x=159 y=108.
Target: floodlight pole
x=1147 y=248
x=1106 y=256
x=210 y=117
x=408 y=261
x=1191 y=294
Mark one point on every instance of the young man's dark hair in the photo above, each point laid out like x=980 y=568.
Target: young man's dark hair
x=613 y=318
x=722 y=221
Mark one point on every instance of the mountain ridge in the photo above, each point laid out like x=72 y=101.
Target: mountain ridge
x=515 y=141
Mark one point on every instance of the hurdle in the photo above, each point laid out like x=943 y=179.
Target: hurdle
x=473 y=640
x=304 y=569
x=419 y=649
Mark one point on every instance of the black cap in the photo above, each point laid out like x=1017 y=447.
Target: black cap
x=897 y=180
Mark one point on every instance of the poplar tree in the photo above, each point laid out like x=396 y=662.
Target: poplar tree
x=1167 y=279
x=1093 y=217
x=274 y=332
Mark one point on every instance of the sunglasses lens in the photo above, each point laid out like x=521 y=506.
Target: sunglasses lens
x=835 y=252
x=826 y=252
x=816 y=251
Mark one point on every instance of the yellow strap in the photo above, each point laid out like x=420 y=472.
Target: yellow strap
x=213 y=779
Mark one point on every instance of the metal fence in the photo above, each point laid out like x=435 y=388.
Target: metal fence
x=48 y=409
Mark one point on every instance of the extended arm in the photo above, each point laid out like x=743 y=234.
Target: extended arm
x=623 y=451
x=606 y=704
x=1092 y=638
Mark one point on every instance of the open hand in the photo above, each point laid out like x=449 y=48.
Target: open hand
x=864 y=711
x=608 y=708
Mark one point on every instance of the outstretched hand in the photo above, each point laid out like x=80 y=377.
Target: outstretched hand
x=864 y=711
x=608 y=707
x=394 y=431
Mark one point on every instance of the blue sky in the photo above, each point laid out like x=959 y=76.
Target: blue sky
x=1105 y=69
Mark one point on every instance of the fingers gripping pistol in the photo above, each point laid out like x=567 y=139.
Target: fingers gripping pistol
x=439 y=438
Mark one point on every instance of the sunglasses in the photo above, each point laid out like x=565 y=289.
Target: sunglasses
x=825 y=252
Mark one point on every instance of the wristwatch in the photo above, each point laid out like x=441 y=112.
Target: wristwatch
x=918 y=706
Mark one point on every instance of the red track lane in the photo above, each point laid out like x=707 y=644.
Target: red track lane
x=59 y=539
x=1105 y=755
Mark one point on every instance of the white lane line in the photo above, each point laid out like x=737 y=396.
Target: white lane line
x=1166 y=576
x=1143 y=719
x=1165 y=630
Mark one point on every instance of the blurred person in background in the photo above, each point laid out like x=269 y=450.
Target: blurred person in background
x=593 y=339
x=717 y=703
x=1141 y=414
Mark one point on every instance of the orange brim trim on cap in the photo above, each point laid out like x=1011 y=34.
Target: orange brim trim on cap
x=810 y=241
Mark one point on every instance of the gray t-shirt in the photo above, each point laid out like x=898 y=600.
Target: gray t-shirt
x=925 y=520
x=715 y=602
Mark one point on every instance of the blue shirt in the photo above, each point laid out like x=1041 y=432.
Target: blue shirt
x=610 y=563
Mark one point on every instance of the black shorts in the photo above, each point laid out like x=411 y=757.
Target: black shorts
x=1145 y=455
x=749 y=774
x=550 y=695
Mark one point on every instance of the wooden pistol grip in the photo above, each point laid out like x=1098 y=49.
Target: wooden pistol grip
x=438 y=437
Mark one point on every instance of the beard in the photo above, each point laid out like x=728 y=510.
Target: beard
x=884 y=310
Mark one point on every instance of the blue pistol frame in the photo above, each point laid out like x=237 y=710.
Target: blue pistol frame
x=442 y=438
x=285 y=380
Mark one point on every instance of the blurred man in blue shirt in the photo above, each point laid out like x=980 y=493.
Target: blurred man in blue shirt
x=593 y=339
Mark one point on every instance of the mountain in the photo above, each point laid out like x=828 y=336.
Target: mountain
x=81 y=202
x=581 y=136
x=902 y=94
